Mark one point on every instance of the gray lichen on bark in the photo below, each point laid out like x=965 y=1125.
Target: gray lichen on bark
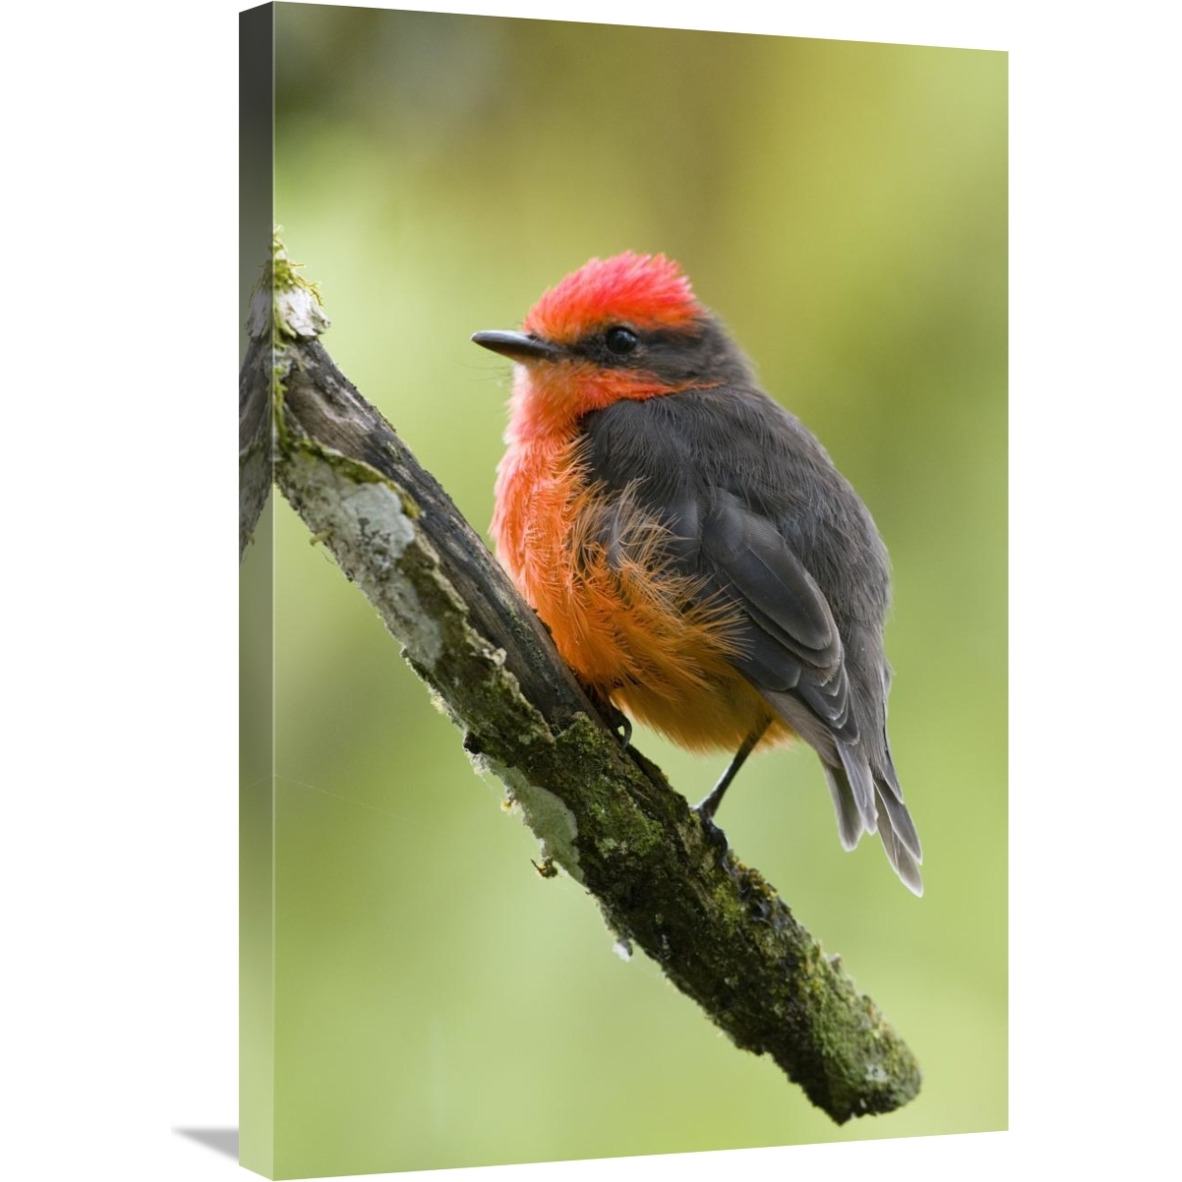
x=605 y=815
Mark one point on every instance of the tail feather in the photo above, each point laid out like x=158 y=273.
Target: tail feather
x=890 y=803
x=861 y=781
x=905 y=862
x=892 y=820
x=849 y=819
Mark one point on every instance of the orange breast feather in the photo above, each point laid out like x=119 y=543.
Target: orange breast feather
x=635 y=631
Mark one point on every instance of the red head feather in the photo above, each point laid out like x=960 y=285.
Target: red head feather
x=642 y=290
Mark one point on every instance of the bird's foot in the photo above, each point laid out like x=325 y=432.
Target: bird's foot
x=714 y=835
x=621 y=724
x=615 y=719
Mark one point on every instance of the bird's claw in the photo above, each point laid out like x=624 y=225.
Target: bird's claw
x=616 y=720
x=714 y=835
x=623 y=724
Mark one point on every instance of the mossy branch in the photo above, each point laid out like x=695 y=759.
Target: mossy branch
x=605 y=815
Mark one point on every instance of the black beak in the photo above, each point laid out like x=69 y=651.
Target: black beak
x=519 y=346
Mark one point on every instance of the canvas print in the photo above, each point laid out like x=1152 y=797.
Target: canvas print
x=625 y=634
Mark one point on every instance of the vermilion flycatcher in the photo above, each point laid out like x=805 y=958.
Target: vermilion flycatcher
x=697 y=557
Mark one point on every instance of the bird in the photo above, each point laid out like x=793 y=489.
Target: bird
x=699 y=560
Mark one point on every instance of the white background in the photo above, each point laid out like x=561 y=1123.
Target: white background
x=119 y=479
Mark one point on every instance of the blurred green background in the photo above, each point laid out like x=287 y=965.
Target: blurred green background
x=843 y=207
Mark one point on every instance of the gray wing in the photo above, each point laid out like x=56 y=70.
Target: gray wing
x=788 y=639
x=788 y=643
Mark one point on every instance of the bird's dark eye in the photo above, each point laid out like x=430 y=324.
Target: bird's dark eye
x=620 y=341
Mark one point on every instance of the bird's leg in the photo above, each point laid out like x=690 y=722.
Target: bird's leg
x=707 y=808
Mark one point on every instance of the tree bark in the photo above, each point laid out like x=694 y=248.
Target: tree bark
x=604 y=814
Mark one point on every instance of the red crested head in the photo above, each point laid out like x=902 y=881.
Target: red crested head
x=627 y=327
x=640 y=290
